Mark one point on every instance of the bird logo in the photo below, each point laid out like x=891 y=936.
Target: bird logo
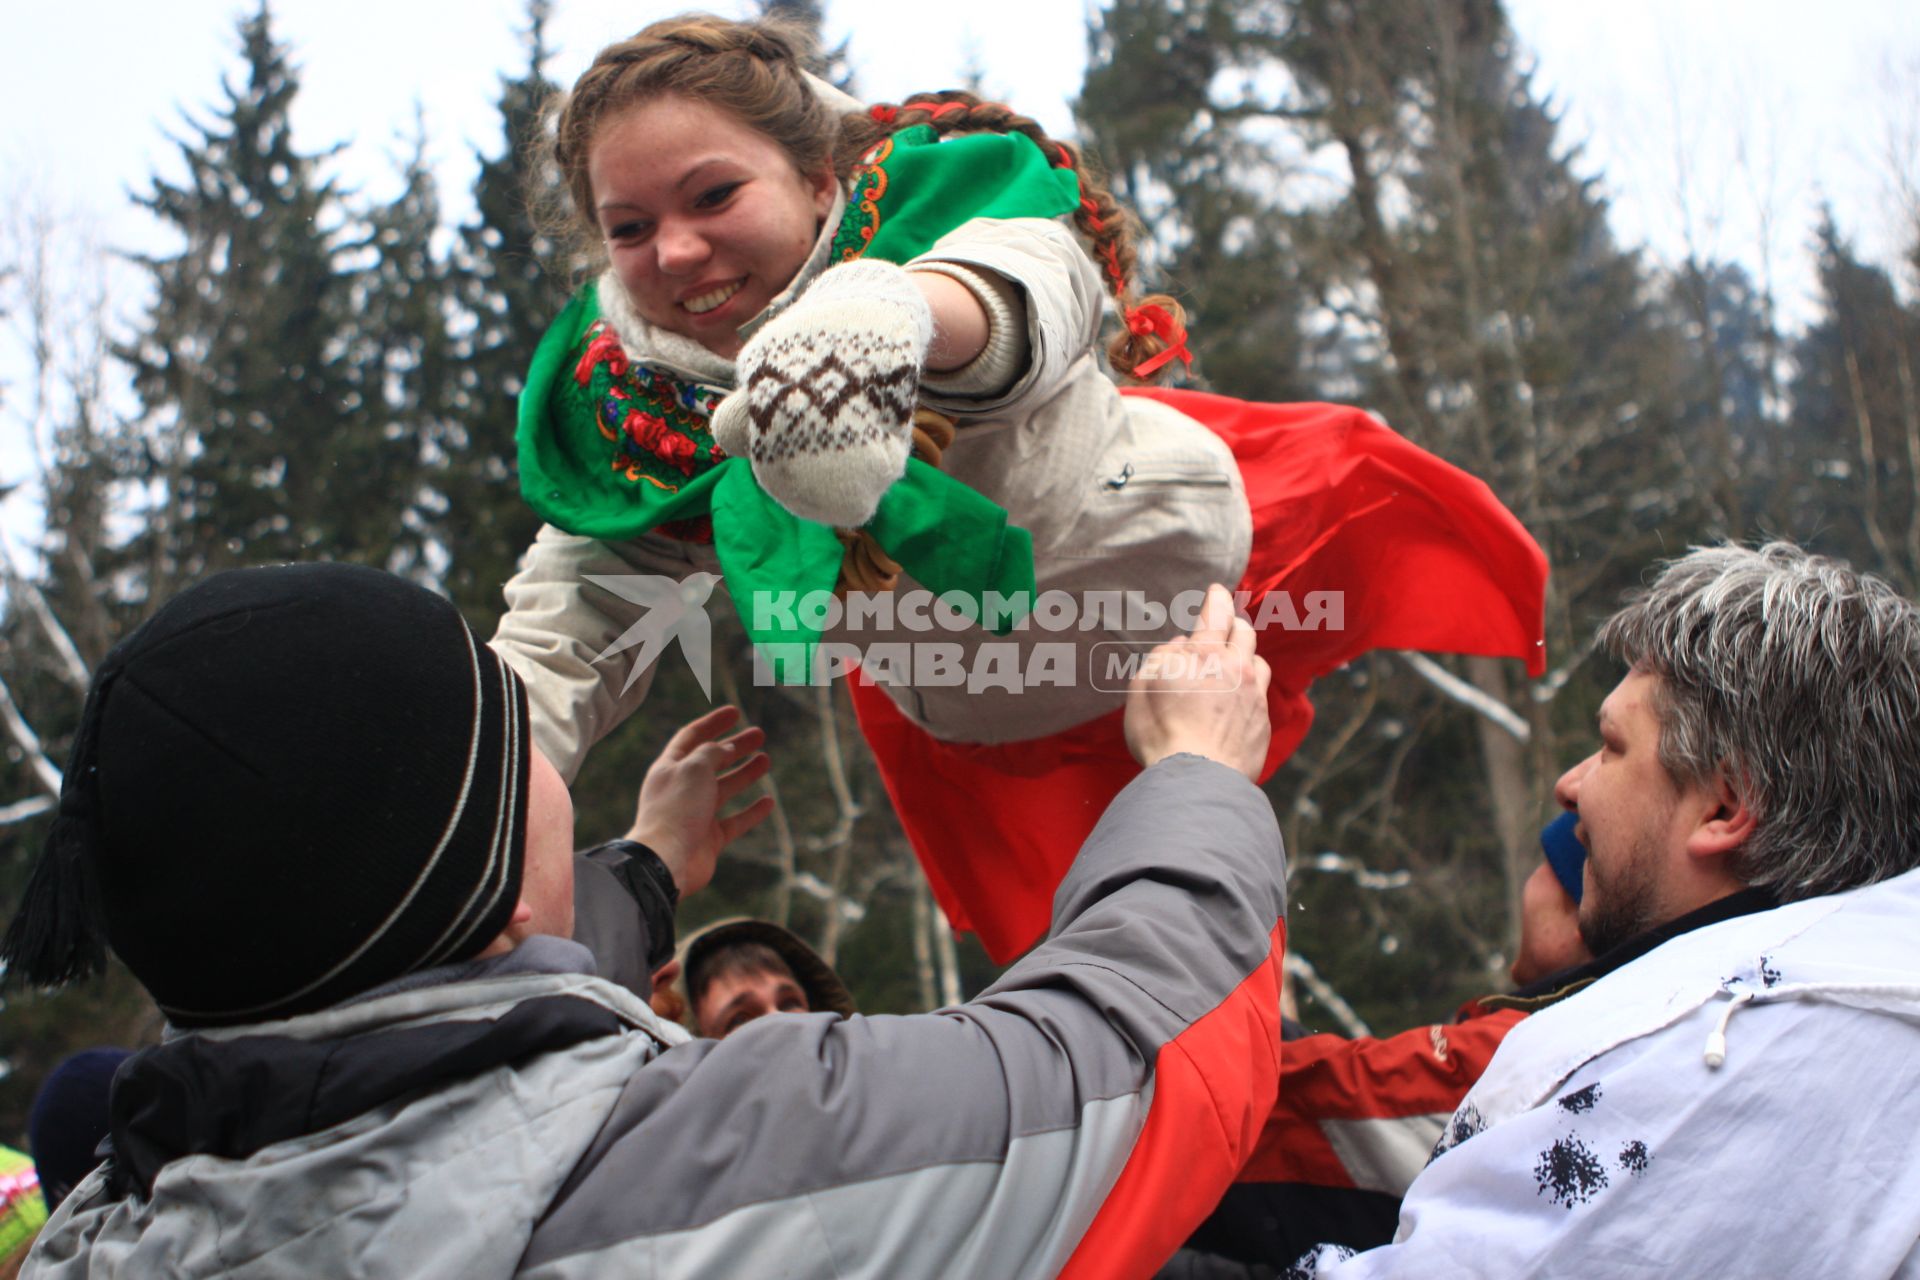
x=671 y=609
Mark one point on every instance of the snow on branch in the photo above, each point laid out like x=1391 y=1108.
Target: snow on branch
x=1465 y=694
x=1301 y=970
x=73 y=668
x=1546 y=690
x=1363 y=875
x=29 y=742
x=21 y=810
x=813 y=886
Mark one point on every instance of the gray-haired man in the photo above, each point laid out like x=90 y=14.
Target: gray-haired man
x=1739 y=1098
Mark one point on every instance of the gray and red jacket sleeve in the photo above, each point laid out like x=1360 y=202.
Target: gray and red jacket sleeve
x=1077 y=1118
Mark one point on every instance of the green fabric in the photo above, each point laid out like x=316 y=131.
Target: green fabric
x=945 y=536
x=934 y=187
x=948 y=538
x=564 y=461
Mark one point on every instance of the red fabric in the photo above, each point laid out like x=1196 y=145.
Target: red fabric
x=1425 y=558
x=1212 y=1084
x=996 y=827
x=1422 y=1072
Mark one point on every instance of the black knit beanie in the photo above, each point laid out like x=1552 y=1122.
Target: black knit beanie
x=290 y=785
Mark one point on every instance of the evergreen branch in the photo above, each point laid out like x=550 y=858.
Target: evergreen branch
x=1252 y=109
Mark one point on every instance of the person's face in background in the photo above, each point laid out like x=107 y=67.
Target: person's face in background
x=732 y=1000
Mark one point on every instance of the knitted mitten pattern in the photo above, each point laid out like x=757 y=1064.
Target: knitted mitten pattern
x=824 y=408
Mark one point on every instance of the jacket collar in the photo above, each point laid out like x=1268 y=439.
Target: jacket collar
x=239 y=1091
x=1555 y=987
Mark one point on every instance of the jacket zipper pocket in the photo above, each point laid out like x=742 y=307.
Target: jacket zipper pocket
x=1197 y=474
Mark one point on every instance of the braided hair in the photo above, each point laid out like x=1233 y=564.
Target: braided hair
x=751 y=70
x=756 y=71
x=1153 y=328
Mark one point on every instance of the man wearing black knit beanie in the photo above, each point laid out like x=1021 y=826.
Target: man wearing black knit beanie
x=303 y=807
x=266 y=832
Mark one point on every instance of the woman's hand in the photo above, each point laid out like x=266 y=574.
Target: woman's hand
x=824 y=409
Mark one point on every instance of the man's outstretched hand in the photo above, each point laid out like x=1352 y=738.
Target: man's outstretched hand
x=697 y=775
x=1204 y=694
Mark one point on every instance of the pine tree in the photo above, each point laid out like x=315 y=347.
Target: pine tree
x=1370 y=203
x=403 y=369
x=1728 y=391
x=60 y=614
x=1209 y=194
x=512 y=278
x=832 y=64
x=1513 y=336
x=242 y=367
x=1855 y=465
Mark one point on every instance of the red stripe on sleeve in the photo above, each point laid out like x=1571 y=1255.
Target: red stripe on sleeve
x=1213 y=1089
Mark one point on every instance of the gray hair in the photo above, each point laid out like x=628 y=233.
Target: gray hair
x=1799 y=679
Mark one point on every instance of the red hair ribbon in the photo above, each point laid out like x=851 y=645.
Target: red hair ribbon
x=1155 y=321
x=937 y=109
x=885 y=114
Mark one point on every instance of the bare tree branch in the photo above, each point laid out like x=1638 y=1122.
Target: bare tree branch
x=21 y=810
x=1302 y=971
x=1496 y=711
x=1317 y=770
x=1548 y=688
x=29 y=742
x=839 y=904
x=781 y=912
x=840 y=839
x=73 y=668
x=923 y=927
x=1869 y=464
x=949 y=957
x=1359 y=872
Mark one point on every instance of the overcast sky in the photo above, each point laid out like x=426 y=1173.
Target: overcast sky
x=1770 y=106
x=88 y=92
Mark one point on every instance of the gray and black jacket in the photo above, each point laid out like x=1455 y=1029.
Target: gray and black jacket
x=521 y=1117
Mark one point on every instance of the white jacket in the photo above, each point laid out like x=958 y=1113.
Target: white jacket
x=1119 y=493
x=1603 y=1140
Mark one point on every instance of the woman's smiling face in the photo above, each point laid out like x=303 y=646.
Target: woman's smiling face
x=706 y=219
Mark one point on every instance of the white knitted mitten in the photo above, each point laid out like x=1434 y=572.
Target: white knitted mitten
x=824 y=408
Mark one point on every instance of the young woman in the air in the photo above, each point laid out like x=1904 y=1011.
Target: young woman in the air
x=789 y=279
